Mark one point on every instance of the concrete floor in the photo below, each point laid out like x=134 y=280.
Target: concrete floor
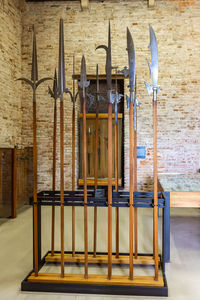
x=183 y=273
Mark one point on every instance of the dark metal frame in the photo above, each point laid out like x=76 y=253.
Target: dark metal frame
x=120 y=199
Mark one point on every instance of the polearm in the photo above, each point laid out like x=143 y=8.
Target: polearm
x=73 y=97
x=130 y=100
x=54 y=94
x=83 y=83
x=96 y=157
x=34 y=83
x=110 y=97
x=153 y=67
x=117 y=100
x=62 y=89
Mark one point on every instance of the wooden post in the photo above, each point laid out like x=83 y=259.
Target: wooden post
x=116 y=188
x=135 y=190
x=155 y=211
x=85 y=186
x=96 y=156
x=35 y=220
x=96 y=177
x=54 y=177
x=14 y=184
x=73 y=160
x=110 y=191
x=131 y=190
x=62 y=184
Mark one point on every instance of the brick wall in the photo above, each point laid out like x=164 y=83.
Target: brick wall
x=176 y=24
x=10 y=69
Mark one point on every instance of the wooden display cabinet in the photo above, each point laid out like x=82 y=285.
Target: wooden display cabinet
x=102 y=149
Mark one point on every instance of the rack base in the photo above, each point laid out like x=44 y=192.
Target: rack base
x=96 y=284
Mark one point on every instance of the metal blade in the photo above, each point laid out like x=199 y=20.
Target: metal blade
x=131 y=62
x=154 y=57
x=34 y=72
x=83 y=83
x=61 y=67
x=108 y=66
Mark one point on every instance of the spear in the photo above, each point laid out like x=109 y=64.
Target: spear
x=83 y=83
x=61 y=90
x=73 y=97
x=34 y=83
x=54 y=94
x=131 y=60
x=110 y=97
x=153 y=88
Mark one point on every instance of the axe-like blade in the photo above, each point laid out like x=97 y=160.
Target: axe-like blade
x=34 y=72
x=131 y=62
x=61 y=66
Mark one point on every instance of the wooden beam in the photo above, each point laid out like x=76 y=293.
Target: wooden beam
x=84 y=4
x=151 y=3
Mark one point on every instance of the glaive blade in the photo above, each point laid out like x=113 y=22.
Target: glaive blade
x=131 y=62
x=153 y=66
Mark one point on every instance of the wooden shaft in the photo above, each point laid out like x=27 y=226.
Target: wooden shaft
x=109 y=191
x=73 y=173
x=1 y=187
x=135 y=190
x=85 y=189
x=155 y=212
x=35 y=220
x=14 y=181
x=96 y=180
x=116 y=189
x=62 y=185
x=54 y=179
x=131 y=191
x=96 y=150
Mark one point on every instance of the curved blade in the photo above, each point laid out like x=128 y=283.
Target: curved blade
x=43 y=80
x=34 y=71
x=108 y=63
x=131 y=61
x=26 y=80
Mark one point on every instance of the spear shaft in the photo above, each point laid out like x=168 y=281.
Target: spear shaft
x=73 y=159
x=54 y=177
x=116 y=170
x=96 y=156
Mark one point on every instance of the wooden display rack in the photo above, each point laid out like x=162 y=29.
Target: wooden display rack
x=76 y=283
x=132 y=200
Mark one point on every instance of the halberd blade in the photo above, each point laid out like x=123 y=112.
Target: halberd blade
x=34 y=71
